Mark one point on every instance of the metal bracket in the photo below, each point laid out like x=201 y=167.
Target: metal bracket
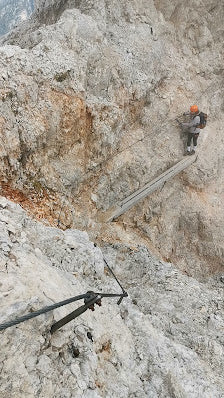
x=74 y=314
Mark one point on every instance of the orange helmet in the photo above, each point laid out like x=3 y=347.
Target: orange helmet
x=194 y=108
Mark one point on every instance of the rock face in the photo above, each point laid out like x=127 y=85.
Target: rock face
x=89 y=101
x=89 y=94
x=14 y=12
x=164 y=340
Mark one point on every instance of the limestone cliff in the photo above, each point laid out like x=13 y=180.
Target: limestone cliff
x=89 y=94
x=88 y=108
x=89 y=101
x=164 y=341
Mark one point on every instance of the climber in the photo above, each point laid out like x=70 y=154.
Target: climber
x=193 y=128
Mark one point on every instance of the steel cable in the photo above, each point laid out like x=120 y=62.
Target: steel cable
x=44 y=310
x=41 y=311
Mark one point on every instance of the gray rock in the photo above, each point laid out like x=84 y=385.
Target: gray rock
x=165 y=339
x=89 y=95
x=119 y=75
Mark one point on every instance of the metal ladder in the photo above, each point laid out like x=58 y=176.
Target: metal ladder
x=150 y=187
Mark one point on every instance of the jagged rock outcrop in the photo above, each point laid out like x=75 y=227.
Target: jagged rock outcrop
x=165 y=339
x=89 y=93
x=88 y=110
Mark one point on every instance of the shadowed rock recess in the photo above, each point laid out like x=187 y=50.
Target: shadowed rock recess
x=89 y=94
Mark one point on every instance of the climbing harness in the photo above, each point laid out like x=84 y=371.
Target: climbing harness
x=90 y=299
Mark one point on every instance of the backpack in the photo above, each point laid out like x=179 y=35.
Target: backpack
x=203 y=120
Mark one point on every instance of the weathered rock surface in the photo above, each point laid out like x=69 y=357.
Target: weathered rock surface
x=89 y=93
x=89 y=101
x=14 y=12
x=165 y=339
